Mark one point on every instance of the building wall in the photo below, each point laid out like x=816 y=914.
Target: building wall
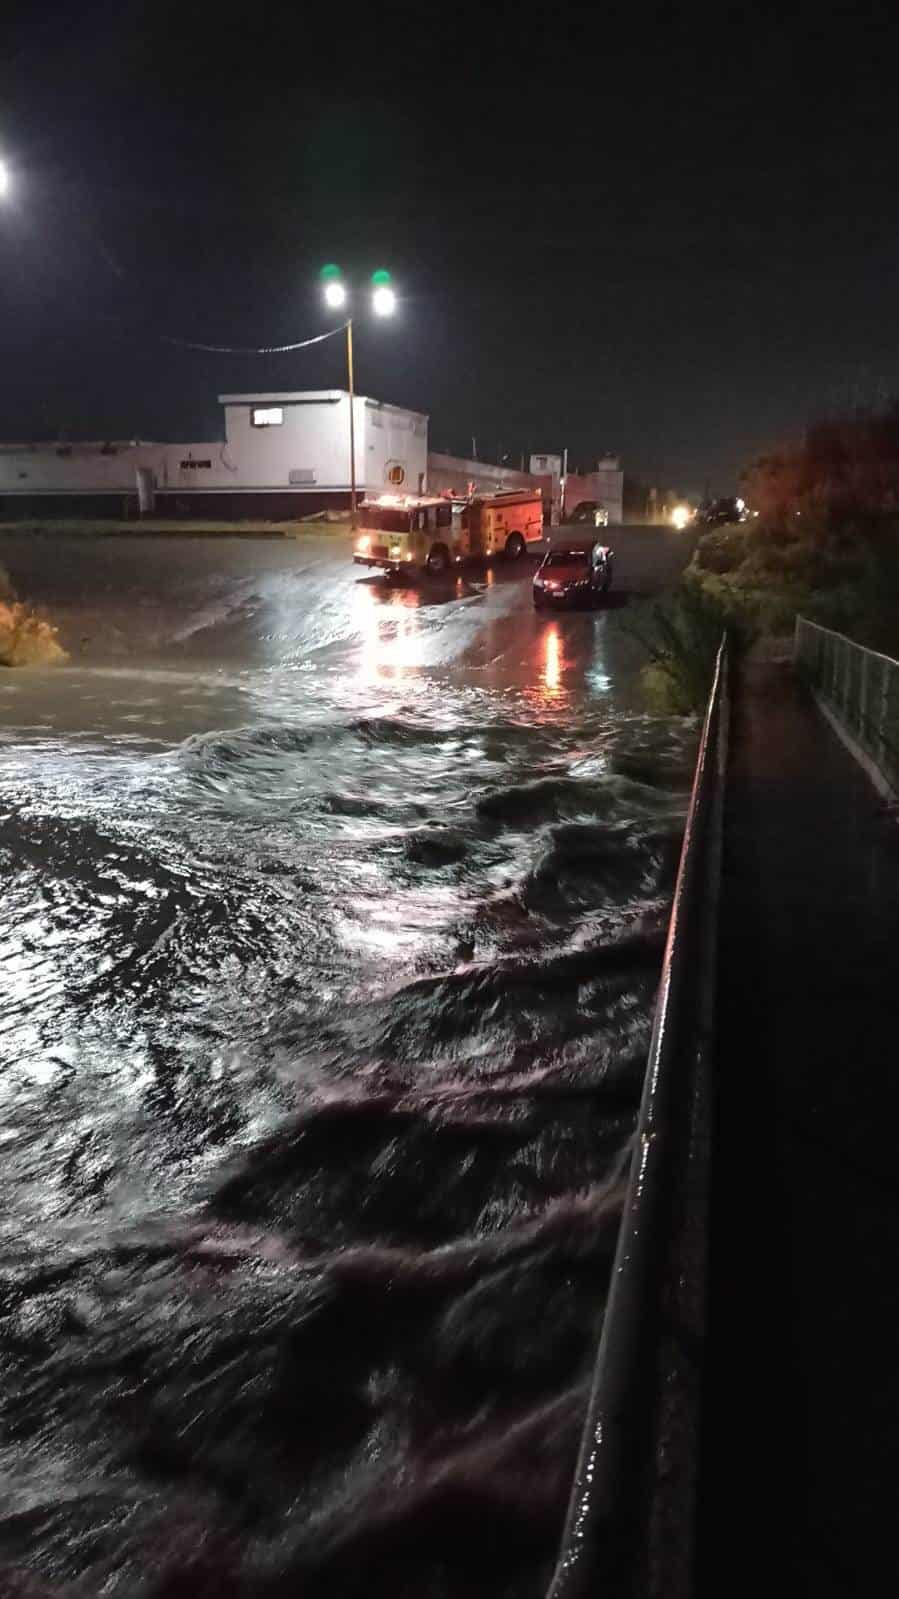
x=395 y=449
x=295 y=468
x=310 y=450
x=455 y=474
x=27 y=469
x=606 y=486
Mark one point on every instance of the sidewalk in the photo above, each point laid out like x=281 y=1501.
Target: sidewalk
x=801 y=1450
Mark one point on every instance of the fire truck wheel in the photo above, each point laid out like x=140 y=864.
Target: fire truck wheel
x=438 y=560
x=514 y=547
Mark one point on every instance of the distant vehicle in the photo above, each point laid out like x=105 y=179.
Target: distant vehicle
x=718 y=513
x=591 y=512
x=680 y=517
x=573 y=571
x=411 y=532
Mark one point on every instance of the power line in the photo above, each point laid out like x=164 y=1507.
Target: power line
x=231 y=349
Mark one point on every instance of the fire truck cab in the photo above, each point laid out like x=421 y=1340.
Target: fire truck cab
x=399 y=531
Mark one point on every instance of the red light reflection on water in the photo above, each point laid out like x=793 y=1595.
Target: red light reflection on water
x=551 y=677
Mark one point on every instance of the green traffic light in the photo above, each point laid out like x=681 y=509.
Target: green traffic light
x=330 y=272
x=381 y=278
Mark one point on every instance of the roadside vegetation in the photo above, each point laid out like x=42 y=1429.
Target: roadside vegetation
x=824 y=544
x=25 y=638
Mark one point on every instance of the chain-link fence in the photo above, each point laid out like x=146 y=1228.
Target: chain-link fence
x=859 y=687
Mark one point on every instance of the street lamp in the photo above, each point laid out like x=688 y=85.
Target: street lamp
x=383 y=303
x=4 y=179
x=335 y=294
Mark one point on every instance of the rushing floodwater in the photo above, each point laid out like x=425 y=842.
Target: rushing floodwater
x=329 y=966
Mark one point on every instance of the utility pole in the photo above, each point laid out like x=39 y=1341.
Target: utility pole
x=349 y=371
x=563 y=484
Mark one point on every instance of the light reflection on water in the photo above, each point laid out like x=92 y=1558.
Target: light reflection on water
x=391 y=635
x=552 y=671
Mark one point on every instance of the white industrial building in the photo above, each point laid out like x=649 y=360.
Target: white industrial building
x=282 y=456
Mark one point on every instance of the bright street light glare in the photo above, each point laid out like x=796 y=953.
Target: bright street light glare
x=335 y=294
x=383 y=301
x=4 y=179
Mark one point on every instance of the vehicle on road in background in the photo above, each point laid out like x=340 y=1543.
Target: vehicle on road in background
x=590 y=512
x=680 y=516
x=719 y=513
x=573 y=571
x=409 y=532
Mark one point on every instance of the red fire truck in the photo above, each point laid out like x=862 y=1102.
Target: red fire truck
x=420 y=533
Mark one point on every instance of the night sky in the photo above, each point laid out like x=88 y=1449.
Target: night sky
x=617 y=228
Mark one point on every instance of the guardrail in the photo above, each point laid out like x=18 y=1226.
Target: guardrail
x=858 y=690
x=629 y=1528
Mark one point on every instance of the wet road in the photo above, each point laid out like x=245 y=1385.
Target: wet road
x=332 y=925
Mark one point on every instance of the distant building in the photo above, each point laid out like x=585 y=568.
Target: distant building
x=282 y=456
x=604 y=486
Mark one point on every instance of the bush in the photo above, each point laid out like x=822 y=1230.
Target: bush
x=681 y=636
x=877 y=599
x=722 y=550
x=25 y=640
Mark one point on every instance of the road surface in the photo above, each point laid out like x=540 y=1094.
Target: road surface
x=332 y=921
x=250 y=603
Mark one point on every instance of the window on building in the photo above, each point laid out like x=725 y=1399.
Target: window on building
x=267 y=416
x=444 y=515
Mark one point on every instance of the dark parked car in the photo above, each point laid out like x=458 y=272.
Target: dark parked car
x=591 y=512
x=573 y=571
x=719 y=513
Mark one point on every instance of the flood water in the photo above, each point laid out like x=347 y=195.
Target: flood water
x=332 y=923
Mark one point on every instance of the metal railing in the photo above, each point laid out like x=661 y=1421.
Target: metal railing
x=635 y=1478
x=860 y=690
